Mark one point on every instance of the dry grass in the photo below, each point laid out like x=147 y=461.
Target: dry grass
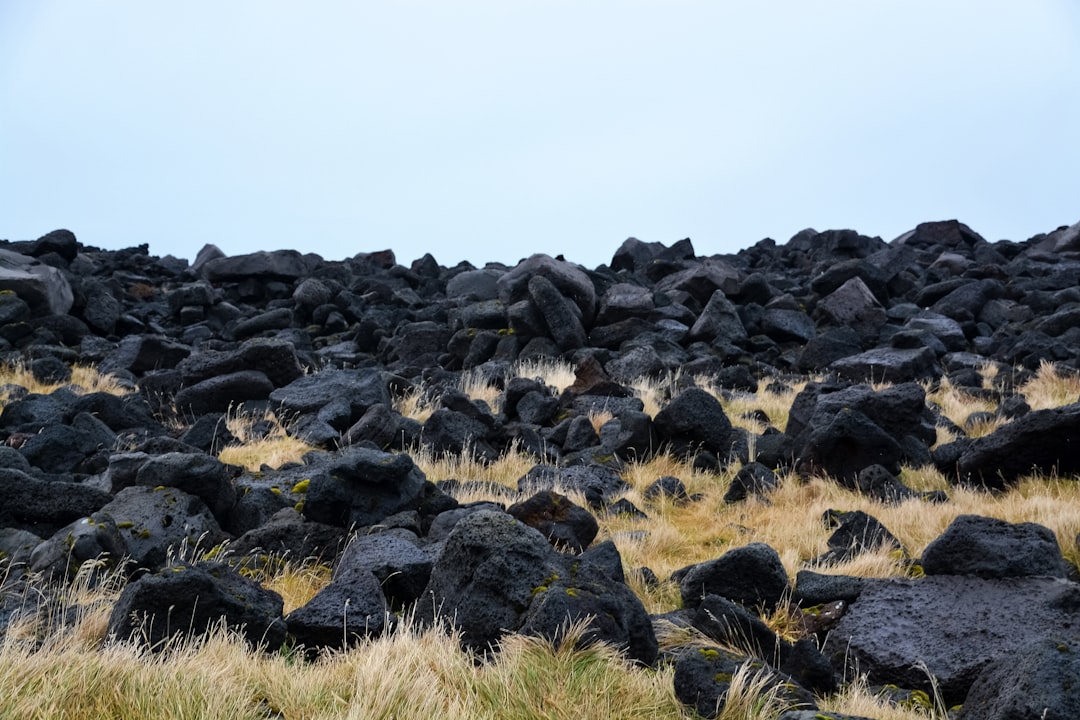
x=84 y=379
x=1051 y=388
x=271 y=445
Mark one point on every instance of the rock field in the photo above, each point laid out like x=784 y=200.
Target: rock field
x=330 y=344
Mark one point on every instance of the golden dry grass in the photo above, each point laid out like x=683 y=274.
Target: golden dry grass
x=252 y=451
x=84 y=379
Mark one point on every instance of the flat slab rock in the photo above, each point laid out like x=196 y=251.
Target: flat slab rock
x=950 y=626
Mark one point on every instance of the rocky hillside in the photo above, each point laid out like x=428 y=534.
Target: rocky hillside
x=330 y=344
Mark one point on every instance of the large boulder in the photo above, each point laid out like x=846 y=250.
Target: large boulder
x=156 y=520
x=941 y=631
x=1040 y=681
x=351 y=607
x=42 y=506
x=571 y=281
x=992 y=548
x=694 y=423
x=186 y=601
x=496 y=575
x=44 y=288
x=751 y=575
x=1041 y=441
x=362 y=487
x=263 y=265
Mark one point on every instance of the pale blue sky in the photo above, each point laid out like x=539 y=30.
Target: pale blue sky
x=492 y=130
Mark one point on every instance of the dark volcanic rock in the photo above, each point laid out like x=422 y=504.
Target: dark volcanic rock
x=1040 y=441
x=570 y=528
x=1040 y=680
x=948 y=626
x=362 y=487
x=694 y=422
x=496 y=575
x=186 y=600
x=992 y=548
x=751 y=575
x=349 y=609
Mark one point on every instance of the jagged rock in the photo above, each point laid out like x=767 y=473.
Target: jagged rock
x=218 y=394
x=496 y=575
x=669 y=487
x=43 y=506
x=569 y=279
x=856 y=532
x=694 y=422
x=288 y=534
x=185 y=600
x=42 y=287
x=563 y=325
x=95 y=538
x=751 y=575
x=154 y=520
x=81 y=447
x=396 y=560
x=1040 y=441
x=310 y=393
x=753 y=478
x=992 y=548
x=362 y=486
x=718 y=322
x=1037 y=681
x=278 y=264
x=703 y=676
x=880 y=484
x=950 y=627
x=599 y=484
x=350 y=608
x=891 y=365
x=200 y=475
x=567 y=526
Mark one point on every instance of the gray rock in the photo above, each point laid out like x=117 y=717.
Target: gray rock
x=569 y=527
x=856 y=532
x=350 y=608
x=361 y=487
x=203 y=476
x=288 y=534
x=950 y=627
x=563 y=324
x=718 y=322
x=1040 y=681
x=42 y=506
x=44 y=288
x=751 y=575
x=891 y=365
x=153 y=521
x=185 y=600
x=486 y=578
x=569 y=279
x=362 y=388
x=397 y=562
x=693 y=422
x=599 y=484
x=219 y=394
x=1040 y=441
x=278 y=264
x=992 y=548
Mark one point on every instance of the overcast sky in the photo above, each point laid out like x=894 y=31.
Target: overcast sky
x=492 y=130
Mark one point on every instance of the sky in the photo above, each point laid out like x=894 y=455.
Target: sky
x=489 y=131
